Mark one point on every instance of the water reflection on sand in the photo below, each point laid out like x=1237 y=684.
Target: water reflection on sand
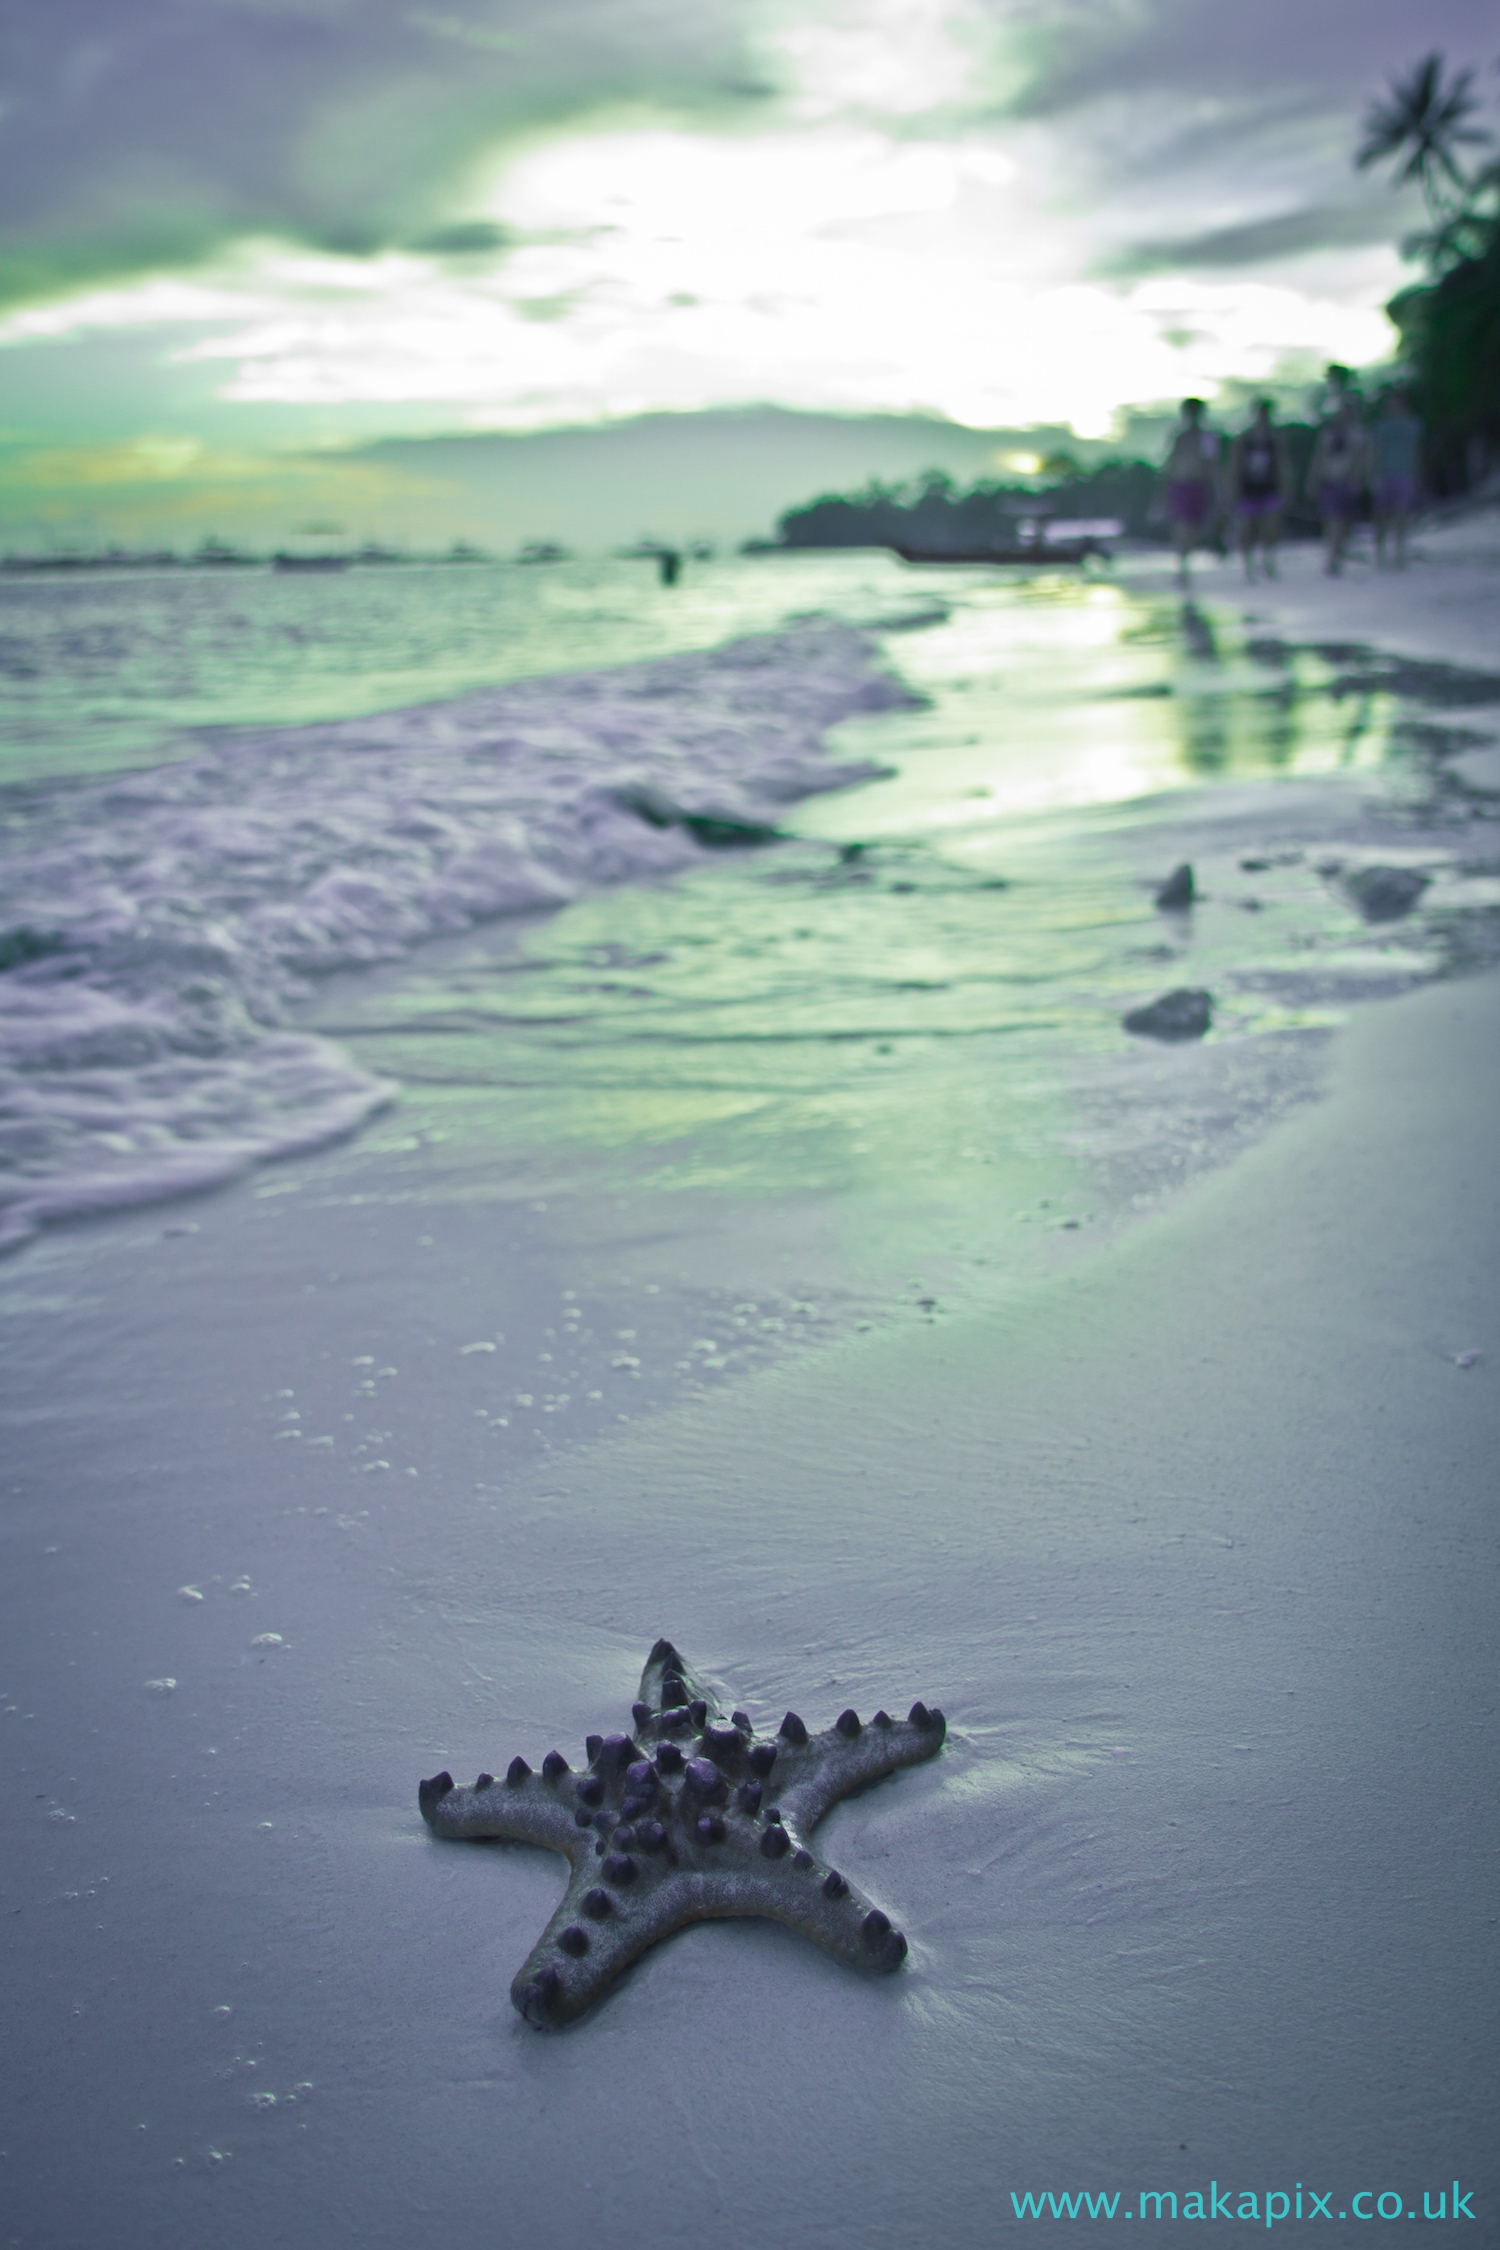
x=911 y=1006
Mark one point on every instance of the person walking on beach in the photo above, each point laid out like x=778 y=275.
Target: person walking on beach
x=1395 y=445
x=1260 y=482
x=1337 y=476
x=1191 y=476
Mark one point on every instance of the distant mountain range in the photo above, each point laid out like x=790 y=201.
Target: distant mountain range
x=722 y=475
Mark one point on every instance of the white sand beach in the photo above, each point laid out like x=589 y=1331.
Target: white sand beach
x=1186 y=1522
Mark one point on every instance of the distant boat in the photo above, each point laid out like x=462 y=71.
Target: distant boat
x=1054 y=552
x=213 y=554
x=53 y=560
x=321 y=556
x=1058 y=540
x=651 y=549
x=104 y=558
x=543 y=551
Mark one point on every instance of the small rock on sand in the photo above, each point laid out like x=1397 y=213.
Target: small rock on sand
x=1384 y=894
x=1183 y=1014
x=1178 y=889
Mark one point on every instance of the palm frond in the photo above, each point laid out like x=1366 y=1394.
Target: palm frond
x=1425 y=122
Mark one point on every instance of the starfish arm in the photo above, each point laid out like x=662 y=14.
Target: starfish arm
x=557 y=1980
x=528 y=1811
x=596 y=1933
x=667 y=1683
x=808 y=1779
x=807 y=1895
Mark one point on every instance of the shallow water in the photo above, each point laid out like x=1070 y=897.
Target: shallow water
x=852 y=905
x=111 y=669
x=910 y=1008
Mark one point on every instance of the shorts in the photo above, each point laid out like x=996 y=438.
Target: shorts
x=1256 y=507
x=1190 y=506
x=1338 y=502
x=1395 y=495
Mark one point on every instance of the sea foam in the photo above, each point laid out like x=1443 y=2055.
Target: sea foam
x=159 y=927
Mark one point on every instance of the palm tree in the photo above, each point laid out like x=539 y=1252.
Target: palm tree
x=1449 y=324
x=1424 y=122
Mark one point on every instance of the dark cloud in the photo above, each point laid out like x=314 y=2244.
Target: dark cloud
x=140 y=133
x=1317 y=227
x=147 y=133
x=465 y=238
x=1246 y=114
x=1328 y=55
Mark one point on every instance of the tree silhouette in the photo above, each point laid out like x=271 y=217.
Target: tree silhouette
x=1424 y=123
x=1449 y=324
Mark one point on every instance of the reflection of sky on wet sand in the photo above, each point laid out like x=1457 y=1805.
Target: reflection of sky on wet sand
x=1052 y=694
x=911 y=1008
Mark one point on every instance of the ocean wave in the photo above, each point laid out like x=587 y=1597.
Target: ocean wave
x=159 y=927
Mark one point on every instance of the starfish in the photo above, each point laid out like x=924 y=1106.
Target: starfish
x=691 y=1819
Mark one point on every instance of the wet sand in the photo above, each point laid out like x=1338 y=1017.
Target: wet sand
x=1190 y=1533
x=1442 y=608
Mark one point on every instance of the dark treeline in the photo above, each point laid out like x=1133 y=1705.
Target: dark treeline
x=934 y=513
x=1450 y=332
x=1449 y=324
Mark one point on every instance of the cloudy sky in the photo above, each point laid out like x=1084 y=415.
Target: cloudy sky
x=252 y=240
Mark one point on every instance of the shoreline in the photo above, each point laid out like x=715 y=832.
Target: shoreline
x=1190 y=1535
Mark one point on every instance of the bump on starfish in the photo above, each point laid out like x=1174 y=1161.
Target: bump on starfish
x=660 y=1831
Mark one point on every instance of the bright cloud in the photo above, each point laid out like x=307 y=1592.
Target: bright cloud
x=837 y=269
x=888 y=59
x=896 y=231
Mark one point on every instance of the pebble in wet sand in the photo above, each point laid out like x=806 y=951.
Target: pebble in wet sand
x=1185 y=1013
